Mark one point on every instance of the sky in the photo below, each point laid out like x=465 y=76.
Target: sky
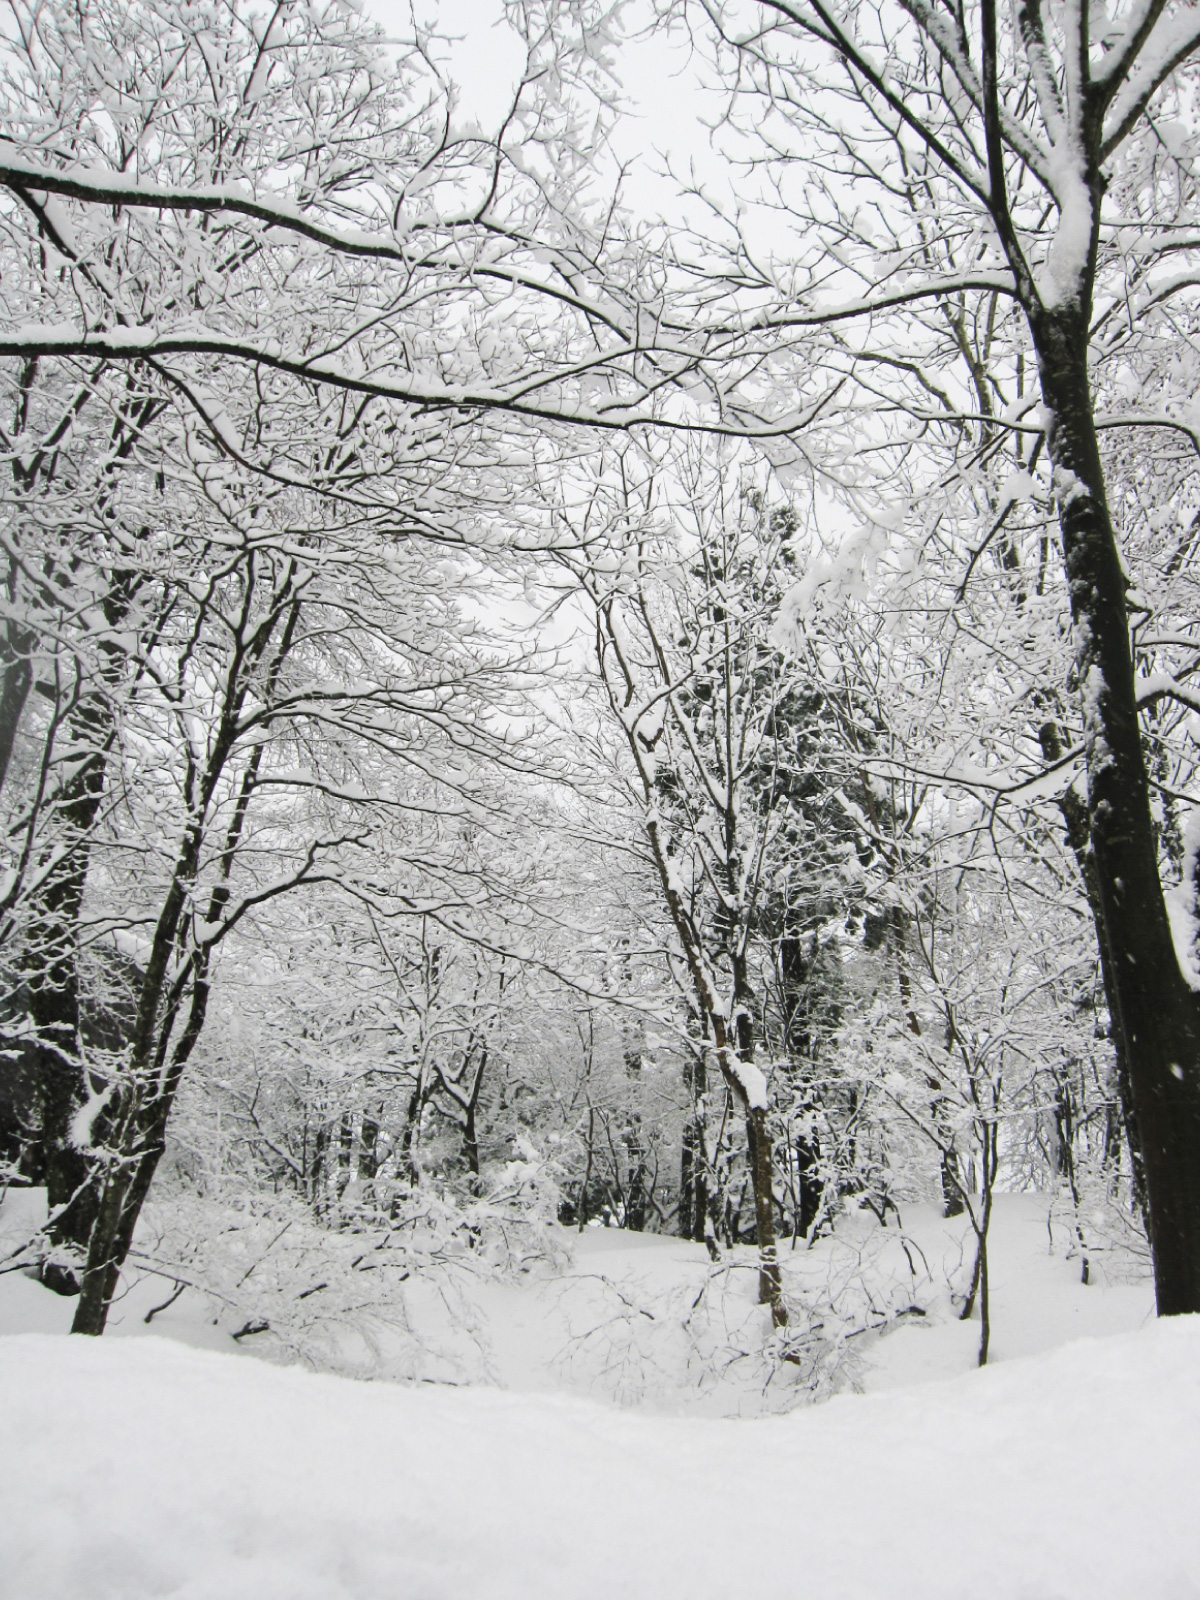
x=667 y=109
x=666 y=103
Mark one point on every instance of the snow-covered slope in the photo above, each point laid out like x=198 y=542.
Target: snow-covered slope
x=647 y=1321
x=145 y=1468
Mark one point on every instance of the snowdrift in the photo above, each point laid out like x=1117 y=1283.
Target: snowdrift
x=147 y=1468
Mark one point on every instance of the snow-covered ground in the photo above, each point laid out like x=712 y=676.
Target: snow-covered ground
x=155 y=1467
x=646 y=1321
x=145 y=1468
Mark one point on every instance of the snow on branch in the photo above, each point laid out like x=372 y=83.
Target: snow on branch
x=1162 y=686
x=1159 y=50
x=951 y=283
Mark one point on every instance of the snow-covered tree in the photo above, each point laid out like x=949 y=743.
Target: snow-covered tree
x=1005 y=183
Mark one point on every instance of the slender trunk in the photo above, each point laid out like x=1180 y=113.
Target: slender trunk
x=708 y=1005
x=73 y=1176
x=64 y=1087
x=762 y=1175
x=15 y=684
x=136 y=1136
x=587 y=1170
x=950 y=1174
x=137 y=1142
x=1064 y=1125
x=795 y=972
x=368 y=1146
x=989 y=1161
x=695 y=1210
x=632 y=1138
x=770 y=1283
x=951 y=1180
x=344 y=1151
x=985 y=1303
x=471 y=1142
x=409 y=1138
x=317 y=1171
x=811 y=1183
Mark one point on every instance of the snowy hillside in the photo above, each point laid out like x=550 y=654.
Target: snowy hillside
x=149 y=1469
x=1067 y=1468
x=644 y=1319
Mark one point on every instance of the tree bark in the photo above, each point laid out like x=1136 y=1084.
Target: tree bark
x=53 y=988
x=1075 y=816
x=1153 y=1008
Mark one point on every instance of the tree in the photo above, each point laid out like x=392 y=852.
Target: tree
x=216 y=628
x=1001 y=156
x=708 y=712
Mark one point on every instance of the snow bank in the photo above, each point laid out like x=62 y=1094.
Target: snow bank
x=143 y=1467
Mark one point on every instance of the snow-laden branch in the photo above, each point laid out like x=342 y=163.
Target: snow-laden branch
x=42 y=340
x=1159 y=49
x=1158 y=686
x=950 y=283
x=936 y=24
x=1151 y=419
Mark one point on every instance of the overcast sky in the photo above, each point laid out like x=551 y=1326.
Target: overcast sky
x=667 y=105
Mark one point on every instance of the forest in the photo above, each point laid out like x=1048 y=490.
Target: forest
x=534 y=709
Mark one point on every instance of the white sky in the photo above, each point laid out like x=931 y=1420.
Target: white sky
x=667 y=105
x=667 y=110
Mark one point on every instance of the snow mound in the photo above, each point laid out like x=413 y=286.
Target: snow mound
x=147 y=1468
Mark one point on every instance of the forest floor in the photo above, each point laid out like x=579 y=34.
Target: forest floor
x=142 y=1467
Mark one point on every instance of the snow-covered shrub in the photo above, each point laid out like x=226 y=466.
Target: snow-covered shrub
x=371 y=1292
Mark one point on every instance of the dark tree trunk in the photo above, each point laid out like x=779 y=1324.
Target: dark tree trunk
x=762 y=1173
x=950 y=1173
x=770 y=1283
x=952 y=1196
x=316 y=1174
x=368 y=1148
x=408 y=1139
x=138 y=1139
x=72 y=1176
x=694 y=1205
x=345 y=1148
x=728 y=1051
x=585 y=1186
x=471 y=1139
x=1153 y=1008
x=632 y=1137
x=1075 y=816
x=15 y=684
x=810 y=1183
x=795 y=971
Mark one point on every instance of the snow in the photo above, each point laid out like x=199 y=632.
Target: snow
x=751 y=1081
x=147 y=1468
x=173 y=1464
x=1018 y=485
x=1181 y=904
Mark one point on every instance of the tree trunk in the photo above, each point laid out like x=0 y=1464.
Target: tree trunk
x=72 y=1181
x=345 y=1148
x=1075 y=816
x=762 y=1173
x=73 y=1177
x=368 y=1146
x=810 y=1185
x=1152 y=1005
x=770 y=1283
x=15 y=684
x=632 y=1136
x=471 y=1143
